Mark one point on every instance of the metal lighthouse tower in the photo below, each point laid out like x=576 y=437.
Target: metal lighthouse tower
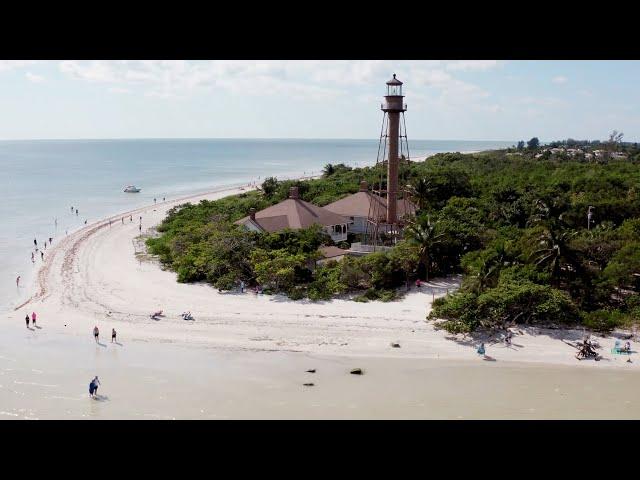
x=390 y=208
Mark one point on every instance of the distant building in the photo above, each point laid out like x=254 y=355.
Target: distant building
x=360 y=206
x=618 y=155
x=295 y=213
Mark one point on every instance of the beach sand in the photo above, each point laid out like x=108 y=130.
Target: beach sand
x=245 y=356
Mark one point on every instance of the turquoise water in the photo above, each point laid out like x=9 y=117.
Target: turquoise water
x=41 y=180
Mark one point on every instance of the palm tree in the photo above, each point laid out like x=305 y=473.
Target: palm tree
x=556 y=253
x=489 y=267
x=425 y=236
x=328 y=170
x=420 y=191
x=549 y=213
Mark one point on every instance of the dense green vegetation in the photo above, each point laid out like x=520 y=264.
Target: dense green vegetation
x=515 y=225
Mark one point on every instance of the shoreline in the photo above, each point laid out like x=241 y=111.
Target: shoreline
x=93 y=276
x=29 y=273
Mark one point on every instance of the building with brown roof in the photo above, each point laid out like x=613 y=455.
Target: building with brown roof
x=362 y=205
x=295 y=213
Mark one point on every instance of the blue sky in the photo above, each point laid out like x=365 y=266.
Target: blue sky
x=448 y=100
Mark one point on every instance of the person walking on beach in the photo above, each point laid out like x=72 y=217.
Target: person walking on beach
x=113 y=335
x=123 y=220
x=71 y=209
x=96 y=333
x=481 y=349
x=33 y=318
x=26 y=319
x=241 y=286
x=130 y=218
x=50 y=240
x=42 y=256
x=32 y=258
x=140 y=228
x=95 y=383
x=18 y=281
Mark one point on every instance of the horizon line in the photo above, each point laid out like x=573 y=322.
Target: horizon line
x=239 y=138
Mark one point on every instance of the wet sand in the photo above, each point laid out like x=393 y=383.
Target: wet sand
x=45 y=375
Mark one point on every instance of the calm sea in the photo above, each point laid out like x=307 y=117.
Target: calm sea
x=41 y=180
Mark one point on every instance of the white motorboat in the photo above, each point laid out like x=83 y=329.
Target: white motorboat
x=131 y=189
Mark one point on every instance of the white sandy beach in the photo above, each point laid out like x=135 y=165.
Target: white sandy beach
x=93 y=277
x=258 y=347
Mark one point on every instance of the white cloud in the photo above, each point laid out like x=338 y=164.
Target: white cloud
x=6 y=65
x=560 y=79
x=472 y=65
x=314 y=80
x=32 y=77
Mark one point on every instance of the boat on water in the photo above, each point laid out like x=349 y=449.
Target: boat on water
x=131 y=189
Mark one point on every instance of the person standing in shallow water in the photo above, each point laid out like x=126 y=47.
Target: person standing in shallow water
x=96 y=384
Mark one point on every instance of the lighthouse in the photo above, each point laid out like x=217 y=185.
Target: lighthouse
x=393 y=105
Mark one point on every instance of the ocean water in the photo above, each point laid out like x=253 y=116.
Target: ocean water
x=41 y=180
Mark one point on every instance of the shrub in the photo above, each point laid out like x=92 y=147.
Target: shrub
x=604 y=320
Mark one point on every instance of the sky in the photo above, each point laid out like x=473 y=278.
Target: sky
x=447 y=100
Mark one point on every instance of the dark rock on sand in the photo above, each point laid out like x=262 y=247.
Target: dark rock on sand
x=395 y=345
x=312 y=370
x=357 y=371
x=308 y=384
